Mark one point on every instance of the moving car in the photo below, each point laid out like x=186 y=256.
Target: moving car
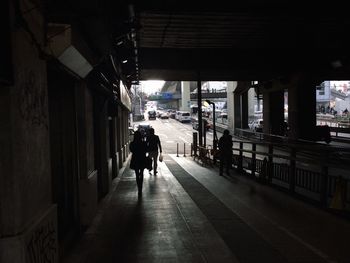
x=152 y=115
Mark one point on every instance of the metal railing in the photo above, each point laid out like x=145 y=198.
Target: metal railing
x=310 y=170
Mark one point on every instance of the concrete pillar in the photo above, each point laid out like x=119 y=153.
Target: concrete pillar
x=185 y=96
x=231 y=86
x=241 y=106
x=273 y=112
x=237 y=111
x=302 y=108
x=28 y=219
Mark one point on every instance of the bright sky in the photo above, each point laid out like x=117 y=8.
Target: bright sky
x=151 y=86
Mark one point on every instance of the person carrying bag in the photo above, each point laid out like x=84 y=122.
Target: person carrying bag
x=148 y=163
x=153 y=145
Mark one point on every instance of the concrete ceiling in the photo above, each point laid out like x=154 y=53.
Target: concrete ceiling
x=183 y=40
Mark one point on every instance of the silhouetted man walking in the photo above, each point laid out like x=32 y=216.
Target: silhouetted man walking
x=225 y=146
x=153 y=144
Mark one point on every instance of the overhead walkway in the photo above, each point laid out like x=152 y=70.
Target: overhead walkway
x=338 y=94
x=188 y=213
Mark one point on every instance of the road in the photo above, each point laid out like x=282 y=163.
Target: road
x=173 y=134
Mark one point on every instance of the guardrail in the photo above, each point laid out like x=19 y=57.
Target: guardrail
x=315 y=172
x=340 y=132
x=298 y=169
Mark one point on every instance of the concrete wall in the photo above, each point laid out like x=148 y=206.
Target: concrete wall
x=231 y=86
x=89 y=131
x=88 y=198
x=25 y=179
x=100 y=142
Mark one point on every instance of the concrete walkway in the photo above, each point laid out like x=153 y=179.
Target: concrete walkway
x=188 y=213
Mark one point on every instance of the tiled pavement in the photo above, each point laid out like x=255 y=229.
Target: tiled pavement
x=188 y=213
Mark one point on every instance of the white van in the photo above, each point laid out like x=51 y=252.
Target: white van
x=184 y=116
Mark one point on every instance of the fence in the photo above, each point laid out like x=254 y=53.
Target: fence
x=306 y=170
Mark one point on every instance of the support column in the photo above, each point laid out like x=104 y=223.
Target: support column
x=241 y=105
x=231 y=86
x=273 y=112
x=185 y=96
x=302 y=108
x=237 y=111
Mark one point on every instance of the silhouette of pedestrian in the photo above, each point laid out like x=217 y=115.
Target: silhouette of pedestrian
x=138 y=148
x=225 y=147
x=153 y=144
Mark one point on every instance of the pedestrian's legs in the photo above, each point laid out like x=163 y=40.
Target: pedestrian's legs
x=155 y=162
x=139 y=179
x=154 y=156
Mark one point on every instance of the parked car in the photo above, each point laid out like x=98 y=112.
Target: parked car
x=256 y=125
x=164 y=115
x=184 y=116
x=172 y=114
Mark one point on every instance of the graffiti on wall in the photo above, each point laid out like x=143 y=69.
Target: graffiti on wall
x=42 y=244
x=33 y=100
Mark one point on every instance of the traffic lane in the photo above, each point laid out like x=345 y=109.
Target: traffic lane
x=174 y=134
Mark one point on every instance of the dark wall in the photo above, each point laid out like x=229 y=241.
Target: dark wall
x=6 y=77
x=89 y=131
x=63 y=140
x=100 y=143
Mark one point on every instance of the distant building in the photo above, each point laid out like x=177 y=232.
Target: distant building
x=333 y=95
